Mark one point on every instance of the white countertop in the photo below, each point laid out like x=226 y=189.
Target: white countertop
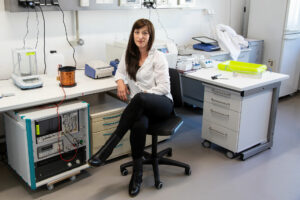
x=237 y=83
x=51 y=91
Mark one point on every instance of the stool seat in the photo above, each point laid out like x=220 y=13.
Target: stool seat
x=166 y=127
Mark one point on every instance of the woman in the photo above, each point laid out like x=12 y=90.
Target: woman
x=146 y=72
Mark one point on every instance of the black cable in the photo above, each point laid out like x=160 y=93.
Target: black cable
x=44 y=39
x=27 y=30
x=63 y=14
x=38 y=30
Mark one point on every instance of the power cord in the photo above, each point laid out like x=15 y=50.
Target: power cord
x=27 y=29
x=63 y=14
x=37 y=27
x=44 y=23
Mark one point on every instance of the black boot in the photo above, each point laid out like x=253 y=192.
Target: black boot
x=100 y=157
x=136 y=178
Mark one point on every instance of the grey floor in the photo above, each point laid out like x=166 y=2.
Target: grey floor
x=271 y=175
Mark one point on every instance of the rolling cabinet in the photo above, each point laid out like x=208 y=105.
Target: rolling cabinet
x=232 y=121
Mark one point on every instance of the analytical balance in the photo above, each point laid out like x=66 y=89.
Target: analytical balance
x=25 y=74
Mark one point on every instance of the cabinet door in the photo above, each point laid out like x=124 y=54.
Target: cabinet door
x=192 y=88
x=290 y=62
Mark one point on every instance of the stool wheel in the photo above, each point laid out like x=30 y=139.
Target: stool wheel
x=124 y=172
x=158 y=185
x=188 y=171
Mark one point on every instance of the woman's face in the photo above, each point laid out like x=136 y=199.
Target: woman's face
x=141 y=37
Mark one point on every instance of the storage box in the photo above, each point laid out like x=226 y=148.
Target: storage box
x=243 y=67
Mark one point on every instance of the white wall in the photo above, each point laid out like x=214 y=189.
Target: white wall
x=102 y=26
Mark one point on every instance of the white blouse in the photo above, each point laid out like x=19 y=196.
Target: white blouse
x=151 y=77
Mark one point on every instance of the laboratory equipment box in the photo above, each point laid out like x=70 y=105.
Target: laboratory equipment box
x=45 y=146
x=230 y=119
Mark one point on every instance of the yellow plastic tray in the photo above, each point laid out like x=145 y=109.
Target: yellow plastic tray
x=242 y=67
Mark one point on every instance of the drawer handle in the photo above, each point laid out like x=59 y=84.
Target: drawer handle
x=106 y=134
x=111 y=117
x=211 y=110
x=218 y=132
x=112 y=123
x=220 y=102
x=221 y=93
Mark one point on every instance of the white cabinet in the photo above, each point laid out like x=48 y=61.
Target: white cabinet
x=233 y=121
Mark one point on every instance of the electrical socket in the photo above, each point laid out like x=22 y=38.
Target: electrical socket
x=270 y=64
x=42 y=2
x=23 y=3
x=55 y=2
x=37 y=2
x=26 y=3
x=48 y=2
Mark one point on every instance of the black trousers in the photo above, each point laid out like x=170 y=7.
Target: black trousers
x=143 y=109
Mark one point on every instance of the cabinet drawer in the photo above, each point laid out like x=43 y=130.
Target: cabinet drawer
x=219 y=135
x=98 y=138
x=104 y=124
x=222 y=116
x=223 y=98
x=108 y=115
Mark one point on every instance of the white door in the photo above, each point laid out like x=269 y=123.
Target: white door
x=290 y=63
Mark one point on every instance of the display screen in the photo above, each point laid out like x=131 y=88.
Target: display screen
x=48 y=126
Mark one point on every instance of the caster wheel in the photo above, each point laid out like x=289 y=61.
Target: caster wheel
x=73 y=178
x=170 y=154
x=50 y=187
x=188 y=172
x=158 y=185
x=206 y=144
x=230 y=154
x=124 y=172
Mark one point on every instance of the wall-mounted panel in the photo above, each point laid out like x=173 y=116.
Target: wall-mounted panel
x=70 y=5
x=13 y=6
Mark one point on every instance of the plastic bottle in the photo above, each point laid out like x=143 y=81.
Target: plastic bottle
x=54 y=59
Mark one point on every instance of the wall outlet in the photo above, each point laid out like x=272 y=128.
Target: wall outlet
x=270 y=64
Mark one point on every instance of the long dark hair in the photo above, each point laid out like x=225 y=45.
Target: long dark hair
x=133 y=55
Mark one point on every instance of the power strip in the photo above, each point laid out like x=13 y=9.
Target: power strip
x=33 y=3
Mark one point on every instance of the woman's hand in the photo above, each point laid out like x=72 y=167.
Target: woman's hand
x=122 y=90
